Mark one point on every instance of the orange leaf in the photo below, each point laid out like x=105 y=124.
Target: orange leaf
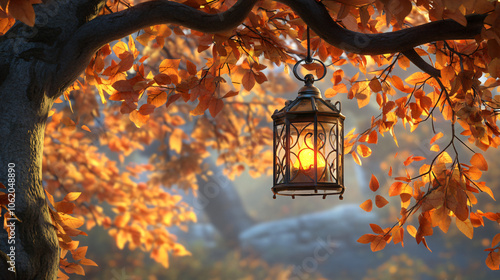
x=479 y=162
x=465 y=227
x=260 y=77
x=374 y=185
x=79 y=253
x=147 y=109
x=356 y=158
x=375 y=85
x=71 y=221
x=367 y=205
x=411 y=230
x=425 y=244
x=215 y=106
x=74 y=268
x=377 y=229
x=88 y=262
x=378 y=244
x=22 y=10
x=123 y=85
x=380 y=201
x=248 y=81
x=138 y=119
x=172 y=99
x=367 y=238
x=493 y=260
x=364 y=151
x=482 y=186
x=495 y=240
x=373 y=138
x=162 y=79
x=157 y=98
x=191 y=67
x=169 y=66
x=230 y=93
x=436 y=137
x=50 y=197
x=396 y=188
x=417 y=77
x=180 y=250
x=86 y=128
x=122 y=220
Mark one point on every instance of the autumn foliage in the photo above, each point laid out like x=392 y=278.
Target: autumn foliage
x=161 y=78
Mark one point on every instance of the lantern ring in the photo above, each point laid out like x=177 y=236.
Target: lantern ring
x=308 y=62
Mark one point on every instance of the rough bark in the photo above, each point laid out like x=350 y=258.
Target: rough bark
x=37 y=64
x=23 y=113
x=28 y=63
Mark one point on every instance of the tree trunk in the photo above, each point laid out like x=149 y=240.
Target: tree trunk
x=220 y=201
x=30 y=80
x=23 y=113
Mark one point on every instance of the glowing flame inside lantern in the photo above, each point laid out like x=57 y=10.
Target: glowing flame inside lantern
x=306 y=158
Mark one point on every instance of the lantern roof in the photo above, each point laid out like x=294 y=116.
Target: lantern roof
x=309 y=100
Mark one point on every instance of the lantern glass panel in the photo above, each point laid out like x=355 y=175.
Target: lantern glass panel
x=280 y=150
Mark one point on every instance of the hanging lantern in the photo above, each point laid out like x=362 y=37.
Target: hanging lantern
x=308 y=143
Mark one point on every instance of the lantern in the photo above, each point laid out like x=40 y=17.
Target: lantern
x=308 y=144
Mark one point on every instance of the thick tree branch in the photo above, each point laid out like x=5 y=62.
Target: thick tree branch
x=414 y=57
x=104 y=29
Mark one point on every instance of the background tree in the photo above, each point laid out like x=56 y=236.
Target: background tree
x=65 y=53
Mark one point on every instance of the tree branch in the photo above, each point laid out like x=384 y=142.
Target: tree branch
x=104 y=29
x=414 y=57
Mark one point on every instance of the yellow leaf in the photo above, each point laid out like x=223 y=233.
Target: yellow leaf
x=72 y=196
x=356 y=158
x=411 y=230
x=364 y=151
x=122 y=220
x=465 y=227
x=176 y=140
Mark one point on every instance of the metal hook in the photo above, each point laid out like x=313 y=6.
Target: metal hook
x=312 y=60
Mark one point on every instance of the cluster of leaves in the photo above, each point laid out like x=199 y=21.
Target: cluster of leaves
x=444 y=187
x=222 y=75
x=67 y=227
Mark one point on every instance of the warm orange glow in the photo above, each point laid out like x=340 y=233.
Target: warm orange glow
x=306 y=158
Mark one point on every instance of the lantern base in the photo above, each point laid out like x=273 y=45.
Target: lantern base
x=318 y=190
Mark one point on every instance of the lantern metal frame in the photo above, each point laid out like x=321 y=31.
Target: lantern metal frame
x=318 y=126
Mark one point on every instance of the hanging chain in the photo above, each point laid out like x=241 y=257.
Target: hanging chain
x=308 y=60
